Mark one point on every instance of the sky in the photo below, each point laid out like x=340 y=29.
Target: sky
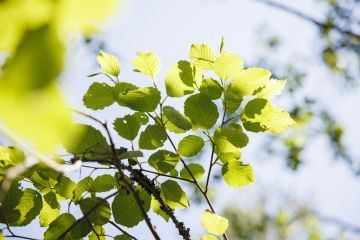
x=168 y=28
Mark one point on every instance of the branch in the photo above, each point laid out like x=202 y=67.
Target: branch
x=122 y=230
x=308 y=18
x=128 y=185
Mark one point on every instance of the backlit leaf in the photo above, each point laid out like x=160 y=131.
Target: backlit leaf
x=201 y=110
x=109 y=64
x=175 y=121
x=65 y=187
x=202 y=55
x=127 y=126
x=211 y=88
x=144 y=99
x=237 y=174
x=272 y=88
x=155 y=206
x=250 y=80
x=196 y=170
x=259 y=116
x=152 y=137
x=213 y=223
x=163 y=161
x=190 y=145
x=173 y=195
x=99 y=209
x=50 y=210
x=125 y=209
x=182 y=79
x=103 y=183
x=228 y=65
x=98 y=96
x=147 y=63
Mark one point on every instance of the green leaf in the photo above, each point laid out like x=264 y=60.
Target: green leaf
x=259 y=116
x=10 y=156
x=29 y=206
x=213 y=223
x=125 y=209
x=211 y=88
x=196 y=169
x=228 y=65
x=8 y=213
x=222 y=44
x=234 y=134
x=175 y=121
x=156 y=207
x=202 y=55
x=233 y=100
x=130 y=155
x=208 y=237
x=103 y=183
x=147 y=63
x=250 y=80
x=228 y=141
x=163 y=161
x=89 y=143
x=81 y=230
x=144 y=99
x=127 y=127
x=50 y=210
x=173 y=195
x=272 y=88
x=81 y=187
x=109 y=64
x=122 y=237
x=59 y=226
x=122 y=88
x=152 y=137
x=99 y=215
x=98 y=96
x=100 y=233
x=190 y=146
x=182 y=78
x=201 y=110
x=142 y=118
x=65 y=187
x=237 y=174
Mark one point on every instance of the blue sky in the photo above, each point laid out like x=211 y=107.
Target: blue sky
x=168 y=28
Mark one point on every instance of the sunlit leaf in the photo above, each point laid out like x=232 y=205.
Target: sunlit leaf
x=144 y=99
x=50 y=210
x=190 y=145
x=211 y=88
x=109 y=64
x=10 y=156
x=152 y=137
x=213 y=223
x=201 y=110
x=125 y=209
x=237 y=174
x=81 y=187
x=127 y=126
x=259 y=115
x=156 y=207
x=98 y=96
x=272 y=88
x=65 y=187
x=103 y=183
x=99 y=209
x=250 y=80
x=202 y=55
x=146 y=63
x=163 y=161
x=175 y=121
x=228 y=65
x=173 y=195
x=208 y=237
x=182 y=79
x=97 y=233
x=196 y=170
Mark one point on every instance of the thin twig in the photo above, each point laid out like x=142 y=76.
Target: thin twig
x=122 y=230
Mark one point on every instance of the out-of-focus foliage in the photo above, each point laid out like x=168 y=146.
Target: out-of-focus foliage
x=32 y=39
